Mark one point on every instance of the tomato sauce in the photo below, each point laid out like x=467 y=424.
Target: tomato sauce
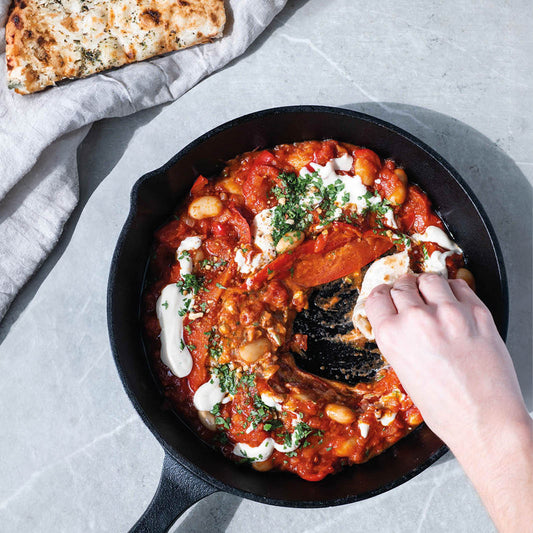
x=246 y=299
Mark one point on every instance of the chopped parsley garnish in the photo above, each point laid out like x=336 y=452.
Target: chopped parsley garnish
x=299 y=437
x=272 y=424
x=215 y=352
x=375 y=204
x=402 y=239
x=189 y=346
x=247 y=379
x=189 y=283
x=260 y=412
x=425 y=251
x=214 y=346
x=328 y=205
x=301 y=431
x=291 y=214
x=212 y=264
x=229 y=381
x=220 y=420
x=298 y=196
x=246 y=459
x=165 y=305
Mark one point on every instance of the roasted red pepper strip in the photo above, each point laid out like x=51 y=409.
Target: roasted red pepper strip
x=317 y=269
x=199 y=184
x=264 y=158
x=195 y=333
x=327 y=150
x=236 y=220
x=416 y=214
x=338 y=234
x=280 y=266
x=341 y=237
x=262 y=176
x=241 y=225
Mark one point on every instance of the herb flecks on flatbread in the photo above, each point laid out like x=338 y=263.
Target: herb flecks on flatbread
x=50 y=40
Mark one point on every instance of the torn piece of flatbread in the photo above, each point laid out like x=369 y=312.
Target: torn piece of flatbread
x=50 y=40
x=385 y=270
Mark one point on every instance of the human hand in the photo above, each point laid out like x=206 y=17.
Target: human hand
x=444 y=346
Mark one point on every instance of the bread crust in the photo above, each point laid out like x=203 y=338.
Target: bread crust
x=50 y=40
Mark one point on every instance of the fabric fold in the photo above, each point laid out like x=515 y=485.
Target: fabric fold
x=39 y=133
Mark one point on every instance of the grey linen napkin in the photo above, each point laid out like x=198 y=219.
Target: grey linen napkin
x=39 y=134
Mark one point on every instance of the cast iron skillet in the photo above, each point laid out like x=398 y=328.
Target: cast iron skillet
x=192 y=470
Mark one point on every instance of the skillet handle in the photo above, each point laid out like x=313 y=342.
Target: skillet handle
x=178 y=489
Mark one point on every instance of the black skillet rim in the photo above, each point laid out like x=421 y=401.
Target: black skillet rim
x=193 y=468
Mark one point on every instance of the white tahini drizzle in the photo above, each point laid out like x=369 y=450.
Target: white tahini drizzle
x=174 y=353
x=363 y=428
x=353 y=187
x=271 y=401
x=188 y=244
x=208 y=395
x=353 y=193
x=265 y=449
x=255 y=453
x=387 y=419
x=438 y=236
x=248 y=262
x=436 y=262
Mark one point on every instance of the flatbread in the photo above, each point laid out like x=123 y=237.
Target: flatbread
x=385 y=270
x=50 y=40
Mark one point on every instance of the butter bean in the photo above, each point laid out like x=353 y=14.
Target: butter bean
x=340 y=413
x=252 y=351
x=289 y=241
x=464 y=273
x=205 y=207
x=208 y=420
x=366 y=170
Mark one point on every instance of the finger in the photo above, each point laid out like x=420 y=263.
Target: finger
x=379 y=305
x=405 y=293
x=435 y=289
x=481 y=314
x=463 y=292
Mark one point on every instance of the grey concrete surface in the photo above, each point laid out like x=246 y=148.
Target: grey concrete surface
x=74 y=455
